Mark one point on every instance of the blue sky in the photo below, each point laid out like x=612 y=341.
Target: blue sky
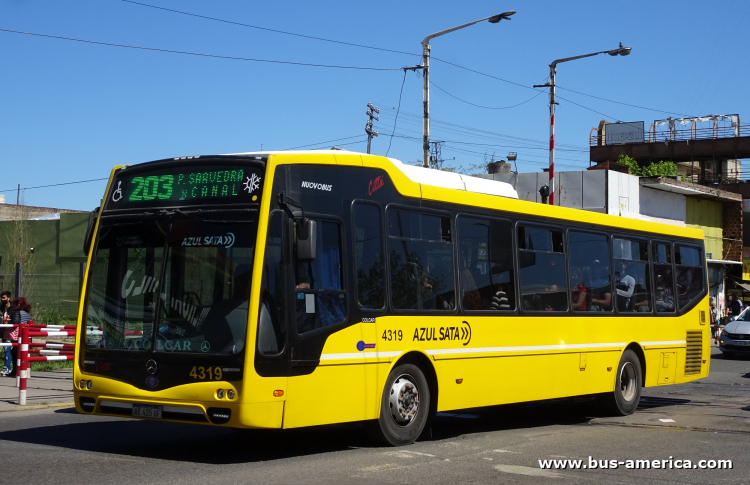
x=69 y=111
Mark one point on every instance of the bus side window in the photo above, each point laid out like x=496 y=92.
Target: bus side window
x=664 y=291
x=368 y=256
x=486 y=264
x=632 y=278
x=320 y=299
x=689 y=274
x=541 y=264
x=421 y=261
x=591 y=288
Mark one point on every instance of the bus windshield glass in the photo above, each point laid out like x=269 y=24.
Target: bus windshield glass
x=177 y=283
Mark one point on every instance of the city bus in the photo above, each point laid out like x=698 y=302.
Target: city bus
x=294 y=289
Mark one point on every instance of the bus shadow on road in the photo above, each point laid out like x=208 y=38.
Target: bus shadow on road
x=213 y=445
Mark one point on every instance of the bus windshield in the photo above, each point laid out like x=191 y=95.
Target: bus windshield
x=177 y=283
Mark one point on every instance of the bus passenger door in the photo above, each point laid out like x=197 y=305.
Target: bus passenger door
x=320 y=338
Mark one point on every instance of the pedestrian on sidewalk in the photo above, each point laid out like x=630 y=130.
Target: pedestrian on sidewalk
x=5 y=318
x=19 y=312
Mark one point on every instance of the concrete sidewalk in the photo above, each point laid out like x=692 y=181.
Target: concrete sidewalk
x=43 y=389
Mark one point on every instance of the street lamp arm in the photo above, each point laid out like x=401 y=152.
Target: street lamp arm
x=554 y=63
x=491 y=18
x=452 y=29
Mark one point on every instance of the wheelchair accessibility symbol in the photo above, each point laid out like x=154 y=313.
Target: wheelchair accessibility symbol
x=118 y=193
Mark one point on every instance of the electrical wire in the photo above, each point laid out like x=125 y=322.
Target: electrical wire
x=397 y=112
x=485 y=107
x=352 y=44
x=55 y=185
x=215 y=19
x=320 y=143
x=197 y=54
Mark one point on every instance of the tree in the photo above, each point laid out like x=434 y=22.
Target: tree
x=654 y=169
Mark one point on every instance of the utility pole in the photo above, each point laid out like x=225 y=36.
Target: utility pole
x=18 y=195
x=372 y=112
x=436 y=157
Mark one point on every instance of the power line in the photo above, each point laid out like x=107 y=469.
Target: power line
x=363 y=46
x=55 y=185
x=485 y=107
x=320 y=143
x=620 y=102
x=397 y=112
x=187 y=53
x=215 y=19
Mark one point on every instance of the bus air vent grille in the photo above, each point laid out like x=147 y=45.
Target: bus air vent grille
x=694 y=354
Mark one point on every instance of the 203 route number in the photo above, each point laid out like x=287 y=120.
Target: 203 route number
x=391 y=335
x=206 y=373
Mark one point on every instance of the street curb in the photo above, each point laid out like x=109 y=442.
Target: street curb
x=37 y=406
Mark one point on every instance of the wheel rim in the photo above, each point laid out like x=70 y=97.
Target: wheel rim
x=404 y=400
x=628 y=385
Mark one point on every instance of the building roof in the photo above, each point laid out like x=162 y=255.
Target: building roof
x=675 y=186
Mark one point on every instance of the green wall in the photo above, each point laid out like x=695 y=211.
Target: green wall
x=58 y=252
x=708 y=216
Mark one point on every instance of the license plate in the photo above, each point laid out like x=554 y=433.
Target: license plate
x=145 y=411
x=741 y=343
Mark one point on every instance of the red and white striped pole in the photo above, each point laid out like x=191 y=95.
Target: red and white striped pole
x=22 y=372
x=552 y=69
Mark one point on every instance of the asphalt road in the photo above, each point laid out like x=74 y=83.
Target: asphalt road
x=703 y=420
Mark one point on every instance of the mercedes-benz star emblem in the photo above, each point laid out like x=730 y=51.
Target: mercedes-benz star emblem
x=151 y=367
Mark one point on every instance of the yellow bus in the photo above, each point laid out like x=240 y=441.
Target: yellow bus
x=291 y=289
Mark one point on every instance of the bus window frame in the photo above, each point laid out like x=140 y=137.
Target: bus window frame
x=344 y=275
x=514 y=256
x=704 y=290
x=430 y=211
x=384 y=250
x=669 y=244
x=288 y=277
x=541 y=225
x=639 y=238
x=610 y=238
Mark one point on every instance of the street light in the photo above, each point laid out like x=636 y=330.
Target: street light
x=620 y=51
x=426 y=75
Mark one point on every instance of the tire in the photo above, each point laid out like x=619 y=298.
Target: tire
x=404 y=407
x=624 y=400
x=728 y=355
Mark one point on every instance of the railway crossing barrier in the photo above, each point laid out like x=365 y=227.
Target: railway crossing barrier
x=43 y=351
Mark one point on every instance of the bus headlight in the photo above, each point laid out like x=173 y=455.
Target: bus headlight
x=230 y=394
x=220 y=393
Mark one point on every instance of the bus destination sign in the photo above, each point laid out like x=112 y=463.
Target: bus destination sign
x=187 y=185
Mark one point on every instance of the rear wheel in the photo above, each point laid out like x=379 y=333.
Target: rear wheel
x=624 y=400
x=404 y=407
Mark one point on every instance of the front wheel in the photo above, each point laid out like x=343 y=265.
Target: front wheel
x=404 y=407
x=728 y=355
x=624 y=400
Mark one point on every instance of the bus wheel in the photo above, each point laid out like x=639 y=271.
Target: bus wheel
x=404 y=407
x=627 y=393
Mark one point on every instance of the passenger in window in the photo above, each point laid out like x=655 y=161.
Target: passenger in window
x=641 y=297
x=625 y=287
x=601 y=290
x=470 y=296
x=664 y=296
x=684 y=281
x=578 y=291
x=302 y=277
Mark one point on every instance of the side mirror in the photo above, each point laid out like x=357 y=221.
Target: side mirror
x=306 y=238
x=90 y=231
